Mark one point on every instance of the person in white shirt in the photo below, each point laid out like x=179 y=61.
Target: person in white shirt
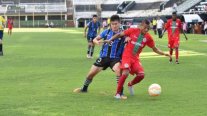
x=160 y=25
x=205 y=27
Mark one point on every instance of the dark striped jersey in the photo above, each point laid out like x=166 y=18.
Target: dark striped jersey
x=92 y=28
x=113 y=50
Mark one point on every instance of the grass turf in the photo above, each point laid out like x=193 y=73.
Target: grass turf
x=41 y=67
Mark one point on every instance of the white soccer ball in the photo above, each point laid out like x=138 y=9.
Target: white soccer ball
x=154 y=89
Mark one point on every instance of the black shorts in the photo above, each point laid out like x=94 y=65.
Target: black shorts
x=106 y=62
x=90 y=39
x=154 y=27
x=1 y=34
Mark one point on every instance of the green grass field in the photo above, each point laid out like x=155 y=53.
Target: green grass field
x=41 y=67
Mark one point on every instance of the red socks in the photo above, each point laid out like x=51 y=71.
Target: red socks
x=176 y=54
x=121 y=83
x=136 y=80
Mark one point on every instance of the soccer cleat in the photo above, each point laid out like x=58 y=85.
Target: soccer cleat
x=131 y=89
x=177 y=62
x=88 y=56
x=1 y=53
x=118 y=96
x=79 y=90
x=123 y=97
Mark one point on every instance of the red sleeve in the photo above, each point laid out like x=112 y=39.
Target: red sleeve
x=167 y=24
x=150 y=41
x=128 y=32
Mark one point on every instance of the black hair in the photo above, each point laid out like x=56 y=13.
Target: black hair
x=115 y=18
x=95 y=15
x=147 y=22
x=174 y=13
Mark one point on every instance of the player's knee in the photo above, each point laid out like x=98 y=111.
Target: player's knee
x=141 y=75
x=125 y=72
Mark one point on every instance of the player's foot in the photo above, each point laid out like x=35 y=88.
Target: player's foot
x=123 y=97
x=177 y=62
x=170 y=61
x=118 y=96
x=1 y=53
x=131 y=89
x=88 y=56
x=79 y=90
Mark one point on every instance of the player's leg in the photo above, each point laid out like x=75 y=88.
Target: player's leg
x=92 y=49
x=91 y=74
x=11 y=31
x=139 y=71
x=159 y=32
x=171 y=53
x=89 y=46
x=124 y=75
x=177 y=55
x=115 y=66
x=176 y=44
x=1 y=42
x=170 y=46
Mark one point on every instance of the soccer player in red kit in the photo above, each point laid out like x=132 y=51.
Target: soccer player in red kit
x=10 y=25
x=139 y=38
x=173 y=27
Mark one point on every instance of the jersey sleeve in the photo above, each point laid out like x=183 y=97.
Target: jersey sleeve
x=89 y=23
x=128 y=31
x=167 y=25
x=150 y=42
x=103 y=34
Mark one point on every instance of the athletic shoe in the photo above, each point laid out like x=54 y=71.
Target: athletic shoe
x=177 y=62
x=88 y=56
x=79 y=90
x=131 y=89
x=1 y=53
x=123 y=97
x=118 y=96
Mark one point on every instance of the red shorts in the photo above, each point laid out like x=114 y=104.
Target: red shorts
x=10 y=27
x=173 y=43
x=132 y=64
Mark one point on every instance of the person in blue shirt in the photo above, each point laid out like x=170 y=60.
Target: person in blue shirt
x=110 y=54
x=92 y=27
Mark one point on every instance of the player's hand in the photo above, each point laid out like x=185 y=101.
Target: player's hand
x=127 y=40
x=99 y=43
x=108 y=41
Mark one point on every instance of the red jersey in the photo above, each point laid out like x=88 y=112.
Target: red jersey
x=10 y=23
x=136 y=42
x=173 y=28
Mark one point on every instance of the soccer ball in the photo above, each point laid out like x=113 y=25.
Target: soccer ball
x=154 y=89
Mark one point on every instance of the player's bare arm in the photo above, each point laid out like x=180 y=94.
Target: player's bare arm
x=98 y=40
x=85 y=30
x=160 y=52
x=116 y=36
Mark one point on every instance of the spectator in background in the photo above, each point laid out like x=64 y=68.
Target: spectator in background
x=154 y=26
x=104 y=24
x=185 y=27
x=205 y=27
x=160 y=25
